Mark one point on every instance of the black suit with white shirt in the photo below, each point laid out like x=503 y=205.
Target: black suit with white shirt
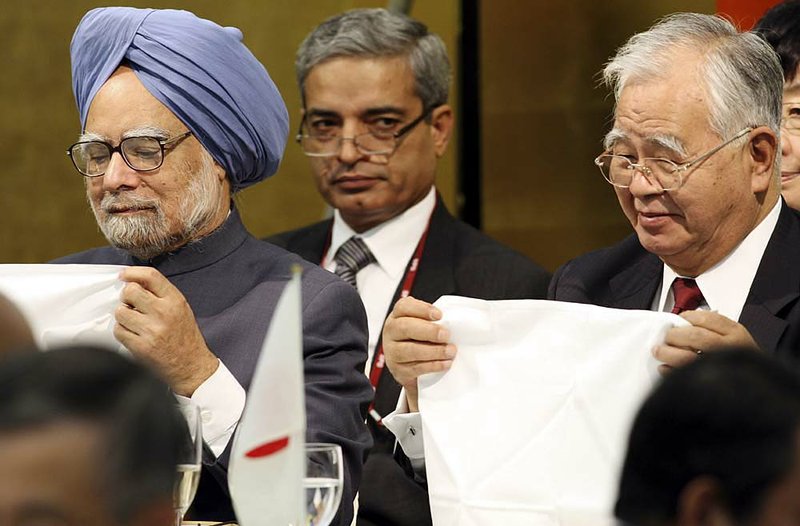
x=458 y=260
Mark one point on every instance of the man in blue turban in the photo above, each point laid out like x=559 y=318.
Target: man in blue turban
x=176 y=116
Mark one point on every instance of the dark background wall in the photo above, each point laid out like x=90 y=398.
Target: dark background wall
x=541 y=115
x=544 y=116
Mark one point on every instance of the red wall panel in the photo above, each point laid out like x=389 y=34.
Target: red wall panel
x=744 y=13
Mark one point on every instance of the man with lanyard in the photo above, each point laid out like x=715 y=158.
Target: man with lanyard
x=375 y=122
x=176 y=116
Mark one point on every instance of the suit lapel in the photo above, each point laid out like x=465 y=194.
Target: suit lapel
x=435 y=277
x=637 y=285
x=776 y=285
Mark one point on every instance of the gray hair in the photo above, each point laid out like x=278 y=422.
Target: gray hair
x=743 y=76
x=372 y=33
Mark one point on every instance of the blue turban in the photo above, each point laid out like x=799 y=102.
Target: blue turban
x=200 y=71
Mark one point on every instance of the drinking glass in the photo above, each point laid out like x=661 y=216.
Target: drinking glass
x=189 y=461
x=323 y=482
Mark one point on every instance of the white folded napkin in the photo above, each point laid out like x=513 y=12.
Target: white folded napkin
x=530 y=424
x=66 y=304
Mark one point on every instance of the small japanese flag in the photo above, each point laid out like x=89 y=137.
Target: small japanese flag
x=267 y=463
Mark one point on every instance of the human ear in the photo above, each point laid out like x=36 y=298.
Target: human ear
x=701 y=503
x=441 y=128
x=763 y=149
x=219 y=171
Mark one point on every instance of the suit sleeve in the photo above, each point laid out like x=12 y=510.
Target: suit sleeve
x=337 y=395
x=337 y=391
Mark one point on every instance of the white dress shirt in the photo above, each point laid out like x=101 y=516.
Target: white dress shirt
x=392 y=243
x=739 y=268
x=221 y=401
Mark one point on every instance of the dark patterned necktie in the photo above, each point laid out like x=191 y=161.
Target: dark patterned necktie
x=351 y=257
x=687 y=295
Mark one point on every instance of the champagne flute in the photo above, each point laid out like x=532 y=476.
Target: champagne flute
x=189 y=461
x=323 y=482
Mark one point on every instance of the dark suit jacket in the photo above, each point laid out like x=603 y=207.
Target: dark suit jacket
x=626 y=276
x=233 y=281
x=459 y=260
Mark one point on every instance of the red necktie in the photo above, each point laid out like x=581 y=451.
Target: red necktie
x=687 y=295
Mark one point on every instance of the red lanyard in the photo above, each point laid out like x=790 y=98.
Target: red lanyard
x=379 y=361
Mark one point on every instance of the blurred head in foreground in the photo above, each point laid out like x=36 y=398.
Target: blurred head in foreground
x=716 y=443
x=87 y=438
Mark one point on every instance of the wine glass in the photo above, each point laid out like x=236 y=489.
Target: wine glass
x=189 y=461
x=323 y=482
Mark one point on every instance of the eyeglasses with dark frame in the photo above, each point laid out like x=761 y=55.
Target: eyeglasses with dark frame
x=143 y=154
x=368 y=143
x=667 y=175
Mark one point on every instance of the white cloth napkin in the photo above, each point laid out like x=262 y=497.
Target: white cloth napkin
x=530 y=424
x=66 y=304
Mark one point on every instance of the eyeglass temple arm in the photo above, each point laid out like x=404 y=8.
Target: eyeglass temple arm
x=408 y=127
x=685 y=166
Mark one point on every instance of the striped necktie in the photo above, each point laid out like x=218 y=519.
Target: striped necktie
x=351 y=257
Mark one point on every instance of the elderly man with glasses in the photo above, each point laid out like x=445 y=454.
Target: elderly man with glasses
x=375 y=123
x=176 y=116
x=693 y=160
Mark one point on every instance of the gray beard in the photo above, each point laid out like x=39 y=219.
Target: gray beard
x=147 y=234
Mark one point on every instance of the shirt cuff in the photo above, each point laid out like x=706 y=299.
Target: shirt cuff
x=407 y=428
x=221 y=401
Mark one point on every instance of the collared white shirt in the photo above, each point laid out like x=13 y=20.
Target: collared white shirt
x=392 y=243
x=725 y=286
x=221 y=401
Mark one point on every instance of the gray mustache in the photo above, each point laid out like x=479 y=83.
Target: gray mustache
x=115 y=202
